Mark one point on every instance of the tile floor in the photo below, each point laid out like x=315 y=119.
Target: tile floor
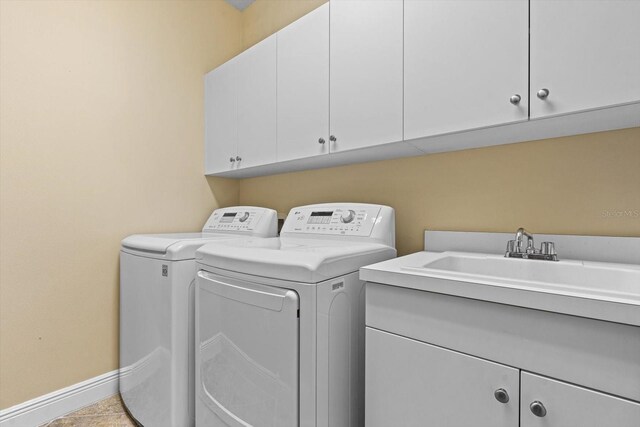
x=106 y=413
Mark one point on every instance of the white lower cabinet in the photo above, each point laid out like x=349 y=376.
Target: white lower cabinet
x=410 y=383
x=550 y=403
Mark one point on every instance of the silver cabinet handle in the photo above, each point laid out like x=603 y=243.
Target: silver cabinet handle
x=515 y=99
x=238 y=158
x=332 y=138
x=543 y=93
x=231 y=159
x=321 y=141
x=538 y=409
x=501 y=395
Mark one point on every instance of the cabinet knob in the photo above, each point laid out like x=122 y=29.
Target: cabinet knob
x=538 y=409
x=543 y=94
x=321 y=141
x=332 y=138
x=501 y=395
x=515 y=99
x=238 y=158
x=231 y=159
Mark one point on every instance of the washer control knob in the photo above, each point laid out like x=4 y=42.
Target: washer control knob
x=244 y=216
x=348 y=216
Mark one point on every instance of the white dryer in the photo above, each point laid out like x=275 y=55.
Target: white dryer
x=280 y=322
x=157 y=314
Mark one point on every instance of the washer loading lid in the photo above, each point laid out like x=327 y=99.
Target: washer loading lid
x=291 y=259
x=176 y=246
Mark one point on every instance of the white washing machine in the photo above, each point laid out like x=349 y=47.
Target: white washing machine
x=157 y=314
x=280 y=322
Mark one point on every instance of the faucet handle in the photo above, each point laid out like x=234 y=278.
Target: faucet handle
x=511 y=246
x=547 y=248
x=530 y=248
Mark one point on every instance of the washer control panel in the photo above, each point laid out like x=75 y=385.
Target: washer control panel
x=341 y=219
x=233 y=219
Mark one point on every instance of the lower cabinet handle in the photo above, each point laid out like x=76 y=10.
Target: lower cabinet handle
x=538 y=409
x=501 y=395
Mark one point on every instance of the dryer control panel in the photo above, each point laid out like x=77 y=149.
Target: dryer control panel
x=341 y=219
x=242 y=219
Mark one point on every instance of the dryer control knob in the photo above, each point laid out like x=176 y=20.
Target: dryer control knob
x=244 y=216
x=348 y=216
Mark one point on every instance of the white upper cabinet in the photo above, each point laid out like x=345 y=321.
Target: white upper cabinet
x=465 y=65
x=404 y=77
x=366 y=73
x=220 y=119
x=586 y=54
x=303 y=86
x=256 y=89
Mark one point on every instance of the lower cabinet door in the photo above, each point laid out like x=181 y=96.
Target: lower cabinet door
x=551 y=403
x=410 y=383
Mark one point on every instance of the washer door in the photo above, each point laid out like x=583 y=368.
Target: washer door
x=247 y=338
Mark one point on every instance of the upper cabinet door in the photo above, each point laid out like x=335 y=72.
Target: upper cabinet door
x=303 y=86
x=584 y=54
x=366 y=73
x=220 y=118
x=465 y=65
x=256 y=74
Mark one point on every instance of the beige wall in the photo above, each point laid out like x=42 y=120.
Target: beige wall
x=101 y=130
x=574 y=185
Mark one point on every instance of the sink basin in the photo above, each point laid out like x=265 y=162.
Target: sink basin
x=585 y=279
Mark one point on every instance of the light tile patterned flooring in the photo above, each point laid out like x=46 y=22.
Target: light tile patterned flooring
x=106 y=413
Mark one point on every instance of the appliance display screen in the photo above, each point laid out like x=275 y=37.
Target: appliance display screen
x=228 y=217
x=320 y=217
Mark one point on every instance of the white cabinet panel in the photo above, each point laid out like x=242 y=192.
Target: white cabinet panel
x=366 y=73
x=409 y=383
x=256 y=74
x=568 y=405
x=303 y=86
x=585 y=53
x=463 y=61
x=220 y=118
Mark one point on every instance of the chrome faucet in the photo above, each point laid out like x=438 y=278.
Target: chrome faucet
x=519 y=235
x=547 y=251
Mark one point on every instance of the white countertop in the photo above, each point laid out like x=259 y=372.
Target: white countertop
x=614 y=306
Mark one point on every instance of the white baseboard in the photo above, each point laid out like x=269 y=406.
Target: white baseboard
x=60 y=402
